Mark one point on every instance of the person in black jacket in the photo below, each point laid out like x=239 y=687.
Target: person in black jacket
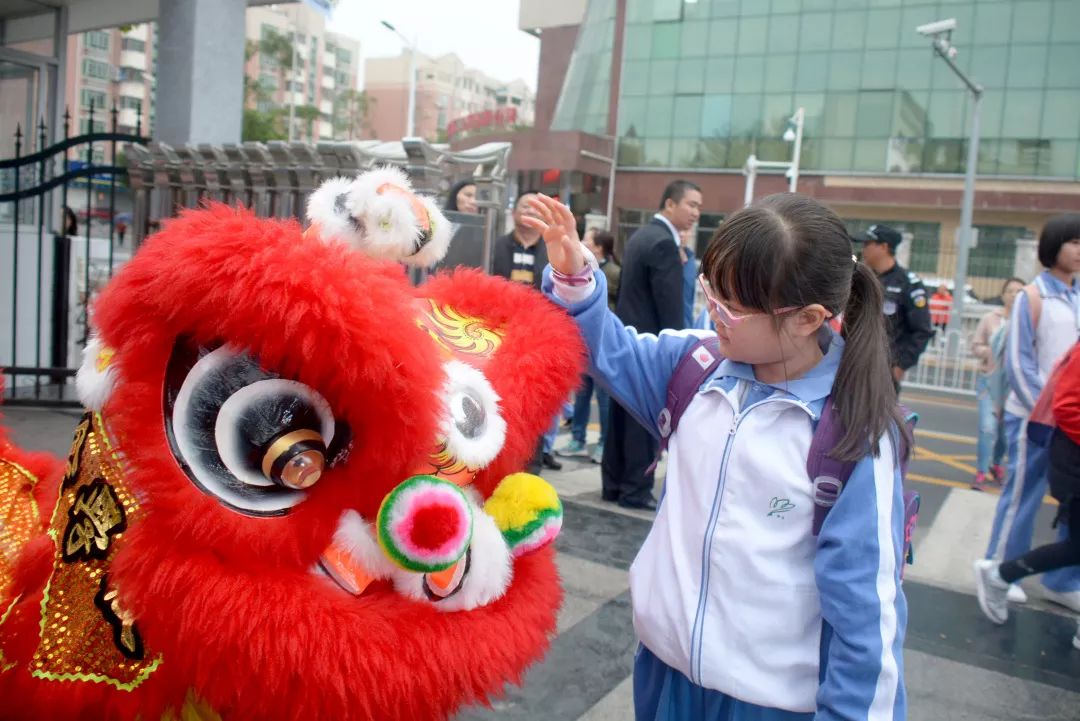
x=907 y=310
x=520 y=255
x=651 y=300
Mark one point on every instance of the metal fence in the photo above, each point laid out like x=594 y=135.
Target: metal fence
x=62 y=225
x=54 y=279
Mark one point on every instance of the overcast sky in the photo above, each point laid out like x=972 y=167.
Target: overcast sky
x=483 y=33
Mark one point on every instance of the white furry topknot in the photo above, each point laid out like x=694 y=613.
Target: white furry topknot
x=377 y=213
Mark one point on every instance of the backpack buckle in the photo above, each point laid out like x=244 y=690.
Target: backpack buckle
x=827 y=491
x=663 y=422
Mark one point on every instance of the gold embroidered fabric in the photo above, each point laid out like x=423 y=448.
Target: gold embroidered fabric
x=86 y=634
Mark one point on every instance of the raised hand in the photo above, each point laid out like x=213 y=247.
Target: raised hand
x=556 y=225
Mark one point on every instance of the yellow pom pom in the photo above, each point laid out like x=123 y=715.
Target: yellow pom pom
x=519 y=500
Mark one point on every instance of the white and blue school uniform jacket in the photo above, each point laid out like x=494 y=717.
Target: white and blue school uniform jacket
x=731 y=588
x=1032 y=350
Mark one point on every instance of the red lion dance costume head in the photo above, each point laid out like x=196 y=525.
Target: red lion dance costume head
x=294 y=493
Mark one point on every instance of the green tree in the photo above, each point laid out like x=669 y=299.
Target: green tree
x=260 y=126
x=352 y=110
x=309 y=114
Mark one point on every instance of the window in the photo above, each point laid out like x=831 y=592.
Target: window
x=96 y=69
x=130 y=103
x=92 y=97
x=132 y=44
x=995 y=253
x=84 y=126
x=97 y=39
x=344 y=56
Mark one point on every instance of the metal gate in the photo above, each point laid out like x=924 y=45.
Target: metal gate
x=56 y=276
x=63 y=222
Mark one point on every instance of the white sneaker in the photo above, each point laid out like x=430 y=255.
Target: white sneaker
x=1016 y=594
x=1068 y=599
x=992 y=591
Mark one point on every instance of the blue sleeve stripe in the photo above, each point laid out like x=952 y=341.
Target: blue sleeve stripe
x=885 y=482
x=1021 y=349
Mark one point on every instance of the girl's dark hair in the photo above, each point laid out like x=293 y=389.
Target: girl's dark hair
x=605 y=241
x=790 y=250
x=1014 y=279
x=451 y=198
x=1058 y=231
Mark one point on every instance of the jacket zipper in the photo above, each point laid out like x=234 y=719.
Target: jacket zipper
x=697 y=633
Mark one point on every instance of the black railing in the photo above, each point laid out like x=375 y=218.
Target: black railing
x=54 y=272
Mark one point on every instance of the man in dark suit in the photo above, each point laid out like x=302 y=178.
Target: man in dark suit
x=650 y=300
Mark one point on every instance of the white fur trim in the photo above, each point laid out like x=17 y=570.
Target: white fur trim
x=94 y=386
x=490 y=569
x=357 y=536
x=441 y=233
x=382 y=225
x=322 y=210
x=480 y=451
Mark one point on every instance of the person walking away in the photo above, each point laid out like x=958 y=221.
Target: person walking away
x=993 y=578
x=520 y=256
x=743 y=613
x=602 y=245
x=651 y=300
x=987 y=345
x=906 y=313
x=1042 y=326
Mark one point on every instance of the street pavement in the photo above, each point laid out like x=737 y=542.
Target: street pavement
x=958 y=665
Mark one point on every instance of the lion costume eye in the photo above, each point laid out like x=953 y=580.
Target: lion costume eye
x=245 y=436
x=474 y=428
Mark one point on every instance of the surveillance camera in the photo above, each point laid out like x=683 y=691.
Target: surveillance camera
x=936 y=28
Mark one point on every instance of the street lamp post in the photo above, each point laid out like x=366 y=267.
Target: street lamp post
x=940 y=33
x=410 y=123
x=794 y=133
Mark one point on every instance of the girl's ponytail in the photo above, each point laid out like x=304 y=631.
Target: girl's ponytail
x=863 y=391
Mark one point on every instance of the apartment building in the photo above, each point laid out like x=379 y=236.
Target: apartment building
x=452 y=99
x=326 y=66
x=112 y=68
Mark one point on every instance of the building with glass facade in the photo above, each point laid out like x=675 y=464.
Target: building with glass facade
x=702 y=85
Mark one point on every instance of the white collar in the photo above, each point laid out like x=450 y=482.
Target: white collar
x=665 y=221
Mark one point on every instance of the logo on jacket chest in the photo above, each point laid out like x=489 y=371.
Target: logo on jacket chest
x=779 y=506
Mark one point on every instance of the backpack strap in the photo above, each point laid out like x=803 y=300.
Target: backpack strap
x=829 y=475
x=693 y=369
x=1034 y=294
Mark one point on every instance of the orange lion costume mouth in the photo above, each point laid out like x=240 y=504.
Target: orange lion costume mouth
x=295 y=492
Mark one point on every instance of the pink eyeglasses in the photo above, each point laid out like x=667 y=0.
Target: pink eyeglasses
x=724 y=314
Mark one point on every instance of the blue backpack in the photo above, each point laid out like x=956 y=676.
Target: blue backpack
x=827 y=474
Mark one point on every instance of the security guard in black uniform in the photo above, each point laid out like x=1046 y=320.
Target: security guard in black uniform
x=907 y=310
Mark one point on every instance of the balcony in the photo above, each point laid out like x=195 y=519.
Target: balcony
x=128 y=117
x=133 y=59
x=133 y=89
x=328 y=81
x=326 y=130
x=326 y=107
x=329 y=60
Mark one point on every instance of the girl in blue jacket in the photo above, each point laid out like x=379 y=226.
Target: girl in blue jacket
x=742 y=613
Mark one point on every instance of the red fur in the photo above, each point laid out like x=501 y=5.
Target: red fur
x=434 y=525
x=229 y=601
